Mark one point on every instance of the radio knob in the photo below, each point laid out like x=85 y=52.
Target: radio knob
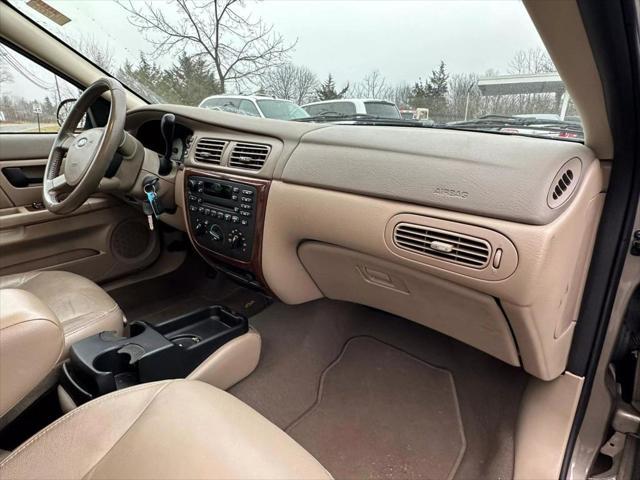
x=192 y=185
x=216 y=233
x=200 y=229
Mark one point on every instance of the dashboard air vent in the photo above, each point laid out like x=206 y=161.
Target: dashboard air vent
x=250 y=156
x=564 y=183
x=449 y=246
x=209 y=150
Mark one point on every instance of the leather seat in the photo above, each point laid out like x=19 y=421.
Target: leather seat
x=179 y=429
x=82 y=307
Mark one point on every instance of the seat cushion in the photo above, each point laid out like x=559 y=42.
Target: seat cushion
x=179 y=429
x=82 y=307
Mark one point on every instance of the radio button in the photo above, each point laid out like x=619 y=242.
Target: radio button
x=247 y=192
x=244 y=222
x=234 y=197
x=207 y=211
x=235 y=219
x=227 y=217
x=220 y=215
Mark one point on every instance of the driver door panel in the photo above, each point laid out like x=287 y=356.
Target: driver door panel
x=103 y=239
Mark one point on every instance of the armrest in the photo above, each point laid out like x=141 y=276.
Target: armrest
x=31 y=342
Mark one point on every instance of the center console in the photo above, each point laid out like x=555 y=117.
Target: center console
x=225 y=221
x=222 y=215
x=170 y=349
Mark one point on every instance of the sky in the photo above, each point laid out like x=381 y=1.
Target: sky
x=403 y=39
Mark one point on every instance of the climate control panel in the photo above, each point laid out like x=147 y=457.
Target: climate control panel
x=222 y=215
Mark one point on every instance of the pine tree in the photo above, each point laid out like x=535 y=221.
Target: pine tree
x=327 y=90
x=437 y=89
x=190 y=80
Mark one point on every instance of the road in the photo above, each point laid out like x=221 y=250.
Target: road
x=24 y=127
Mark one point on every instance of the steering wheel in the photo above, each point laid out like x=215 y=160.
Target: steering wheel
x=77 y=162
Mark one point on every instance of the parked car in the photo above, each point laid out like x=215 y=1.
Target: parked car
x=353 y=106
x=255 y=106
x=189 y=294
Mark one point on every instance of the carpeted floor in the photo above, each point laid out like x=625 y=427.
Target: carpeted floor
x=372 y=395
x=194 y=285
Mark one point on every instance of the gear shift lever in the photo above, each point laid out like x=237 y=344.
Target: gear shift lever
x=167 y=128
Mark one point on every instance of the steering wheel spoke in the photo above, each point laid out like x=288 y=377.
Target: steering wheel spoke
x=57 y=184
x=65 y=142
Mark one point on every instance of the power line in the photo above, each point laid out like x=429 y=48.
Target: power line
x=22 y=70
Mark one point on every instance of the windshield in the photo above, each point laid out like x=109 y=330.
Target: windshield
x=304 y=51
x=281 y=110
x=382 y=109
x=331 y=108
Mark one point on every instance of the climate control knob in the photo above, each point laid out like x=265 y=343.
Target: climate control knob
x=216 y=233
x=236 y=240
x=200 y=229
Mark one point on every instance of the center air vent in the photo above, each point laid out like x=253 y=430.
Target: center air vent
x=449 y=246
x=209 y=150
x=250 y=156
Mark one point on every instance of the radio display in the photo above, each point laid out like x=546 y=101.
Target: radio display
x=217 y=190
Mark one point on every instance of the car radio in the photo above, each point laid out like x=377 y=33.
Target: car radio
x=222 y=215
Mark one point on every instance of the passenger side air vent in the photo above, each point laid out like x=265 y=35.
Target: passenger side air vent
x=250 y=156
x=209 y=150
x=564 y=183
x=449 y=246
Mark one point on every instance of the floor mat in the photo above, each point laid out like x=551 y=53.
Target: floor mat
x=300 y=342
x=381 y=413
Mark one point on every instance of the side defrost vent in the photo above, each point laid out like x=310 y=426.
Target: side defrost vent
x=449 y=246
x=209 y=150
x=250 y=156
x=564 y=183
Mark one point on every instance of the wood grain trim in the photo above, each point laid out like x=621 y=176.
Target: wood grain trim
x=254 y=265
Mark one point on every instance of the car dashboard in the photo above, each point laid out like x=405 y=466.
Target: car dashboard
x=483 y=237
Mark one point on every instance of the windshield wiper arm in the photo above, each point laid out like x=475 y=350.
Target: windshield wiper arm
x=499 y=121
x=362 y=119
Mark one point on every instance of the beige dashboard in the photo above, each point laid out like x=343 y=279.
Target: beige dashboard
x=458 y=231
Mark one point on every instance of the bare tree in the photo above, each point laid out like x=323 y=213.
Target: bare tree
x=374 y=85
x=532 y=61
x=291 y=82
x=5 y=73
x=99 y=53
x=402 y=95
x=464 y=95
x=239 y=48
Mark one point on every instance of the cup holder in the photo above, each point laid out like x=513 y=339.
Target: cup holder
x=170 y=349
x=114 y=362
x=186 y=341
x=137 y=328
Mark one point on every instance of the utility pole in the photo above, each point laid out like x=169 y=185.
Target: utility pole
x=466 y=106
x=37 y=110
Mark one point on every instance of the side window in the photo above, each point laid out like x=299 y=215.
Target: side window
x=29 y=94
x=213 y=103
x=248 y=108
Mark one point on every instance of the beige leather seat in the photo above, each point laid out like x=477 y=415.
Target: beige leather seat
x=180 y=429
x=82 y=307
